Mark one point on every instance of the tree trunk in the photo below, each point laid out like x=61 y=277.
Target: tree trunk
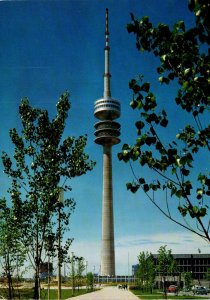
x=164 y=287
x=9 y=278
x=37 y=259
x=36 y=288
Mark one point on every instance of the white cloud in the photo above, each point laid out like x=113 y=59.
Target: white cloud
x=127 y=248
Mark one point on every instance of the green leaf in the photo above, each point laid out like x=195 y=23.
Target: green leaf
x=173 y=191
x=185 y=172
x=145 y=19
x=164 y=122
x=172 y=151
x=150 y=140
x=181 y=25
x=160 y=70
x=199 y=191
x=179 y=193
x=134 y=104
x=136 y=88
x=141 y=180
x=192 y=213
x=163 y=57
x=163 y=80
x=139 y=124
x=185 y=85
x=173 y=171
x=132 y=83
x=208 y=192
x=159 y=146
x=134 y=188
x=187 y=71
x=151 y=118
x=146 y=187
x=128 y=185
x=145 y=87
x=154 y=187
x=130 y=28
x=178 y=100
x=126 y=147
x=191 y=5
x=207 y=182
x=182 y=210
x=202 y=212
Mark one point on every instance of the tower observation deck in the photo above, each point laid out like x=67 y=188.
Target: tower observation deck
x=107 y=109
x=107 y=132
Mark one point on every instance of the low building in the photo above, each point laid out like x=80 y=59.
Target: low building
x=196 y=264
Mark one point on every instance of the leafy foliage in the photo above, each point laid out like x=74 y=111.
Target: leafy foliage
x=207 y=274
x=146 y=271
x=80 y=268
x=90 y=280
x=166 y=265
x=39 y=169
x=12 y=254
x=165 y=262
x=184 y=57
x=188 y=280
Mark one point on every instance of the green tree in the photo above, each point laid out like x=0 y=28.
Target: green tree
x=184 y=60
x=12 y=254
x=146 y=270
x=207 y=274
x=165 y=265
x=90 y=280
x=187 y=280
x=173 y=269
x=80 y=268
x=43 y=161
x=76 y=270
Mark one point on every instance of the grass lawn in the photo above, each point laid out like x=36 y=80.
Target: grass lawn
x=28 y=293
x=144 y=296
x=65 y=293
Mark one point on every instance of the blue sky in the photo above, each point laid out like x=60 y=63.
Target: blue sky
x=48 y=47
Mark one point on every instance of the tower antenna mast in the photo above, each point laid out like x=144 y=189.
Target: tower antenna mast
x=107 y=75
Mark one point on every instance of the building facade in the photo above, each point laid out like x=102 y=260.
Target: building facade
x=196 y=264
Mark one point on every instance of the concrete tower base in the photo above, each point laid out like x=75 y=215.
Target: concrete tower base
x=108 y=253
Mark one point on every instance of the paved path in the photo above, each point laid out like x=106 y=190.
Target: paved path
x=107 y=293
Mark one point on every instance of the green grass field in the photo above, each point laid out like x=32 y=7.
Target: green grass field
x=155 y=295
x=28 y=293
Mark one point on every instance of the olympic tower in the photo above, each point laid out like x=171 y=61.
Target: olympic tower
x=107 y=132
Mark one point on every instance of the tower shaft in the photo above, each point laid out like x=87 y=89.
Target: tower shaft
x=108 y=253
